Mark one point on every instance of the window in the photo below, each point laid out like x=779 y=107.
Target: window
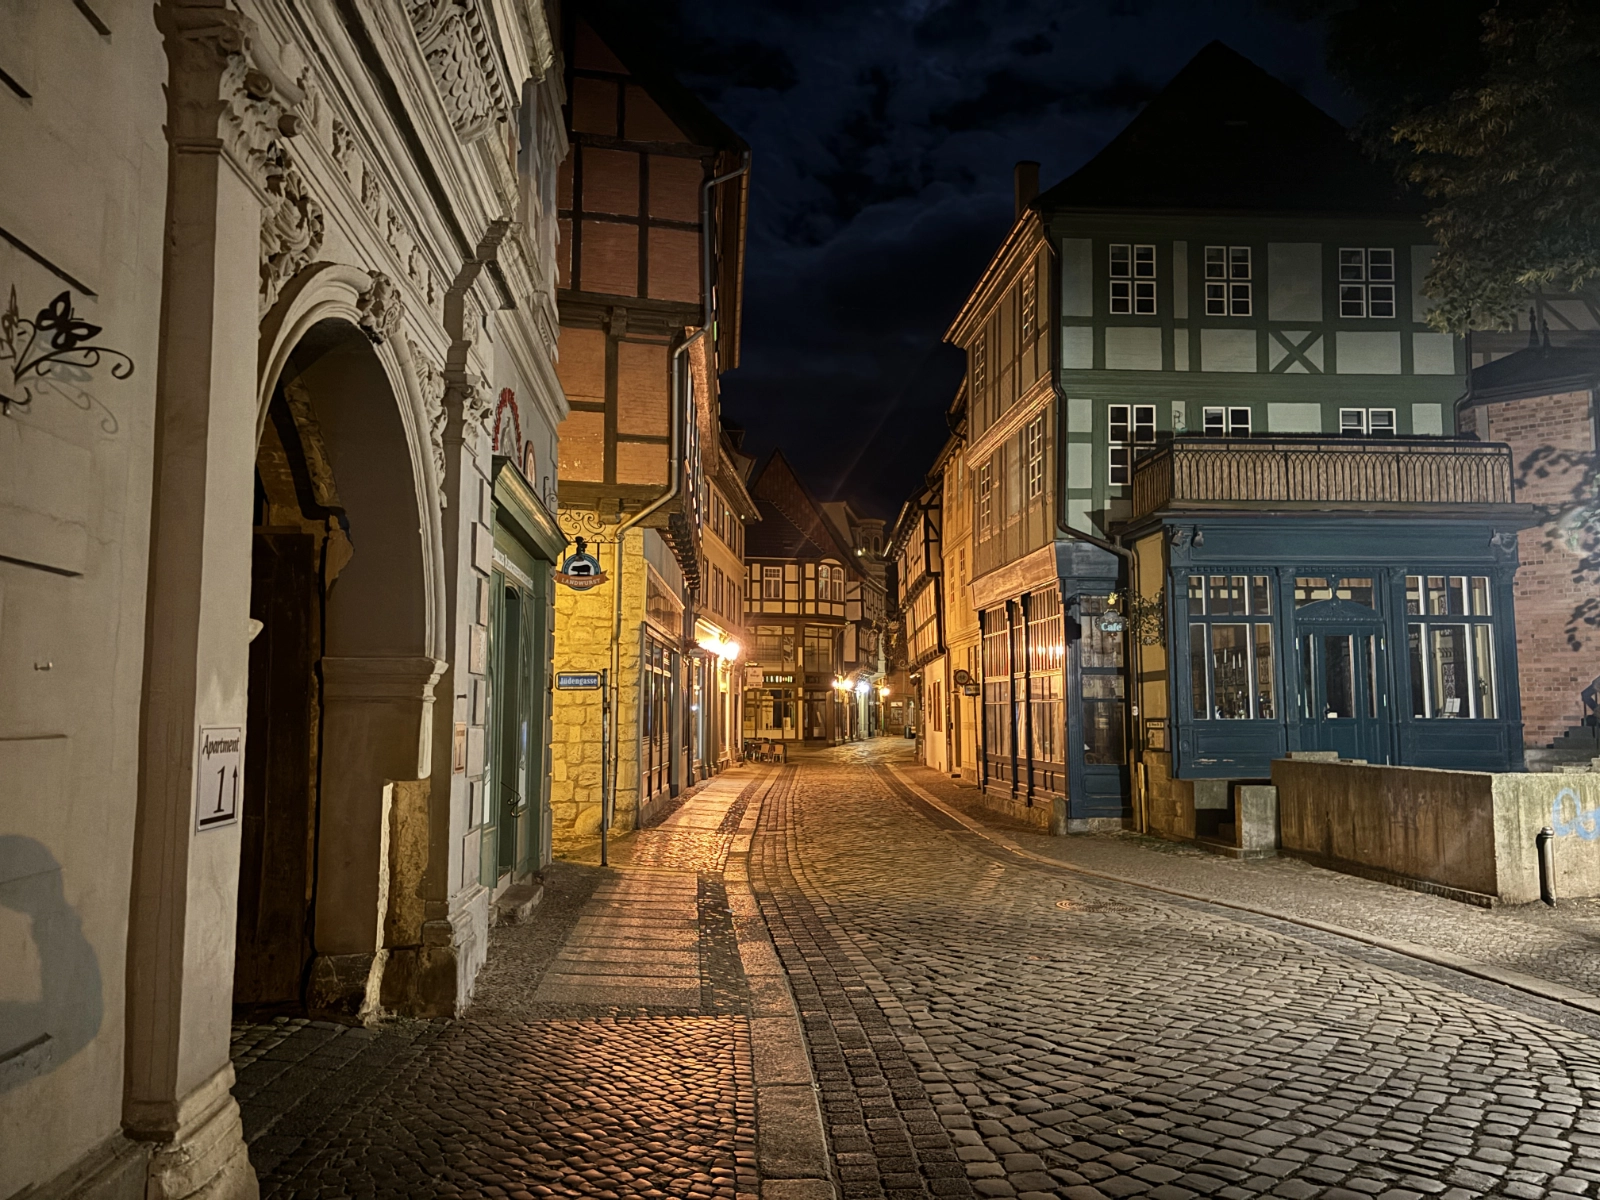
x=1379 y=422
x=1129 y=426
x=1133 y=279
x=1033 y=453
x=830 y=583
x=1231 y=676
x=1450 y=640
x=1366 y=283
x=818 y=650
x=1227 y=422
x=1313 y=589
x=769 y=644
x=1228 y=281
x=772 y=583
x=985 y=501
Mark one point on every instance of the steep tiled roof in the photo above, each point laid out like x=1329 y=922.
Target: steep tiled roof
x=1224 y=135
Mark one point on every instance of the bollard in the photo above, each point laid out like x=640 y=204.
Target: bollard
x=1545 y=841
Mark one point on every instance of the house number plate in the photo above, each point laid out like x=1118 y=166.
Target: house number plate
x=217 y=782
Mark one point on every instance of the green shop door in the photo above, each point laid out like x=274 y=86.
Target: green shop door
x=514 y=774
x=1342 y=697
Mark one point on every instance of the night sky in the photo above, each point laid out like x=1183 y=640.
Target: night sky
x=883 y=134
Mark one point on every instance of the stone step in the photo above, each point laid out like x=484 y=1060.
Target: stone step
x=517 y=902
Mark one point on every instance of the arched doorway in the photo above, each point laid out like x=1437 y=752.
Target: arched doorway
x=340 y=684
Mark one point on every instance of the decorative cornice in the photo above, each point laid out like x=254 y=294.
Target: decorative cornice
x=461 y=56
x=291 y=224
x=382 y=308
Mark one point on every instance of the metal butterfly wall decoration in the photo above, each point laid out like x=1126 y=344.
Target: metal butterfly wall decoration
x=64 y=335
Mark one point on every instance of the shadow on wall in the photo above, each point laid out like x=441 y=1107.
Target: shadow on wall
x=38 y=1035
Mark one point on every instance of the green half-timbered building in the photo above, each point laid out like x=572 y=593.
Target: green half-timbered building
x=1220 y=514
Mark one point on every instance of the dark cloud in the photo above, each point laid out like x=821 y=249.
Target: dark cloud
x=1032 y=45
x=957 y=23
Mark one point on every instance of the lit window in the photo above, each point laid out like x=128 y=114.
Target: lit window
x=1452 y=661
x=1231 y=675
x=772 y=583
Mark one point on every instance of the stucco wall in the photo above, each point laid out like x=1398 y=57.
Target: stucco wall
x=1569 y=804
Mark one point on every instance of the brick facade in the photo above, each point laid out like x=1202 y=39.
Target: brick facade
x=1552 y=439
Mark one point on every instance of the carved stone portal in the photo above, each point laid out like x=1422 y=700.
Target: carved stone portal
x=291 y=226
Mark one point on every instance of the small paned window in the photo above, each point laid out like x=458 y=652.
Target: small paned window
x=772 y=583
x=1231 y=675
x=1133 y=279
x=1226 y=422
x=1128 y=427
x=985 y=500
x=1357 y=422
x=1033 y=452
x=1229 y=279
x=1450 y=645
x=1366 y=283
x=1312 y=589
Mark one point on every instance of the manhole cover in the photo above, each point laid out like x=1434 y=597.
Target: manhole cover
x=1085 y=906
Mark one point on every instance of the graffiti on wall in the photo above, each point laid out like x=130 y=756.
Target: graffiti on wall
x=1574 y=816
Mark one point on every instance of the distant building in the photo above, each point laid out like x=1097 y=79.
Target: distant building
x=652 y=203
x=815 y=611
x=1216 y=518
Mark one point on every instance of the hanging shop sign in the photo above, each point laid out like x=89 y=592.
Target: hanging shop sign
x=962 y=677
x=581 y=571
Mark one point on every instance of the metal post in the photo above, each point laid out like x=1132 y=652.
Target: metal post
x=1545 y=840
x=605 y=764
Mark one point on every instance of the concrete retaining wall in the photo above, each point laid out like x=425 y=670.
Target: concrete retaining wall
x=1454 y=831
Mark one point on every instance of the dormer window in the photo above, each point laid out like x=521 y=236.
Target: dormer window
x=1133 y=279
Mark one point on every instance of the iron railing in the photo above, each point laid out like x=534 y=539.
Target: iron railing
x=1356 y=471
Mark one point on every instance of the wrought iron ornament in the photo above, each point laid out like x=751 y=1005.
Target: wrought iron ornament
x=66 y=347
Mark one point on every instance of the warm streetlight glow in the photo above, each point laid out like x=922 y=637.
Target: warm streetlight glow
x=722 y=649
x=884 y=690
x=862 y=687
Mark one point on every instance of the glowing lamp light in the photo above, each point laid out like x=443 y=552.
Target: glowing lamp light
x=862 y=687
x=883 y=691
x=728 y=650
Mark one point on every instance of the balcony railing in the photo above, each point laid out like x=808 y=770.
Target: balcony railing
x=1341 y=471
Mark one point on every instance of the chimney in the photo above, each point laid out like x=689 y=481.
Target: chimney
x=1025 y=184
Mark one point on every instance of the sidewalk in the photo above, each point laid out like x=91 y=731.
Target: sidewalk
x=1559 y=947
x=634 y=1037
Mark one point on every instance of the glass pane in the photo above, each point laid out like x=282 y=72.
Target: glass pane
x=1197 y=595
x=1451 y=692
x=1437 y=604
x=1227 y=596
x=1102 y=731
x=1261 y=596
x=1310 y=589
x=1419 y=686
x=1339 y=686
x=1264 y=706
x=1230 y=672
x=1369 y=671
x=1097 y=647
x=1102 y=687
x=1414 y=595
x=1483 y=670
x=1197 y=673
x=1458 y=595
x=1308 y=679
x=1480 y=595
x=1357 y=591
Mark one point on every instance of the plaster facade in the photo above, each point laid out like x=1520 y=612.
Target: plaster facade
x=324 y=236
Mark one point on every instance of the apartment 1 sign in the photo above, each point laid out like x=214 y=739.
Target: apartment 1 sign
x=216 y=781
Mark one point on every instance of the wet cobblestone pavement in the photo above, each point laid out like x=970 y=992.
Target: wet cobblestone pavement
x=983 y=1025
x=607 y=1053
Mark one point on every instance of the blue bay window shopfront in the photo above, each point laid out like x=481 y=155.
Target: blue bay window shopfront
x=1388 y=641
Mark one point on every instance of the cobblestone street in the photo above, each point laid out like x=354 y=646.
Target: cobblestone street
x=977 y=1023
x=982 y=1024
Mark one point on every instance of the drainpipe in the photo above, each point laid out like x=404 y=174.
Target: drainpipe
x=675 y=423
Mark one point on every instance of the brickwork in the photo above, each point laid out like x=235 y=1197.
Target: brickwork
x=1552 y=441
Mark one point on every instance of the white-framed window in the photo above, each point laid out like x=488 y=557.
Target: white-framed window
x=1133 y=279
x=1226 y=422
x=1033 y=456
x=1229 y=278
x=1366 y=283
x=830 y=583
x=1361 y=422
x=772 y=583
x=1450 y=644
x=1128 y=427
x=985 y=500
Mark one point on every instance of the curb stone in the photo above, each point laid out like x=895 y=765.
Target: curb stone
x=1533 y=986
x=792 y=1150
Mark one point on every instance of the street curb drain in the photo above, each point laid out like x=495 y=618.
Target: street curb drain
x=1544 y=989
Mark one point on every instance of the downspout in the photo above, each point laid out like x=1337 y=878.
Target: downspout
x=675 y=423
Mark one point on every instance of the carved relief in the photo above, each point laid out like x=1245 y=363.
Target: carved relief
x=382 y=308
x=291 y=225
x=462 y=60
x=431 y=383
